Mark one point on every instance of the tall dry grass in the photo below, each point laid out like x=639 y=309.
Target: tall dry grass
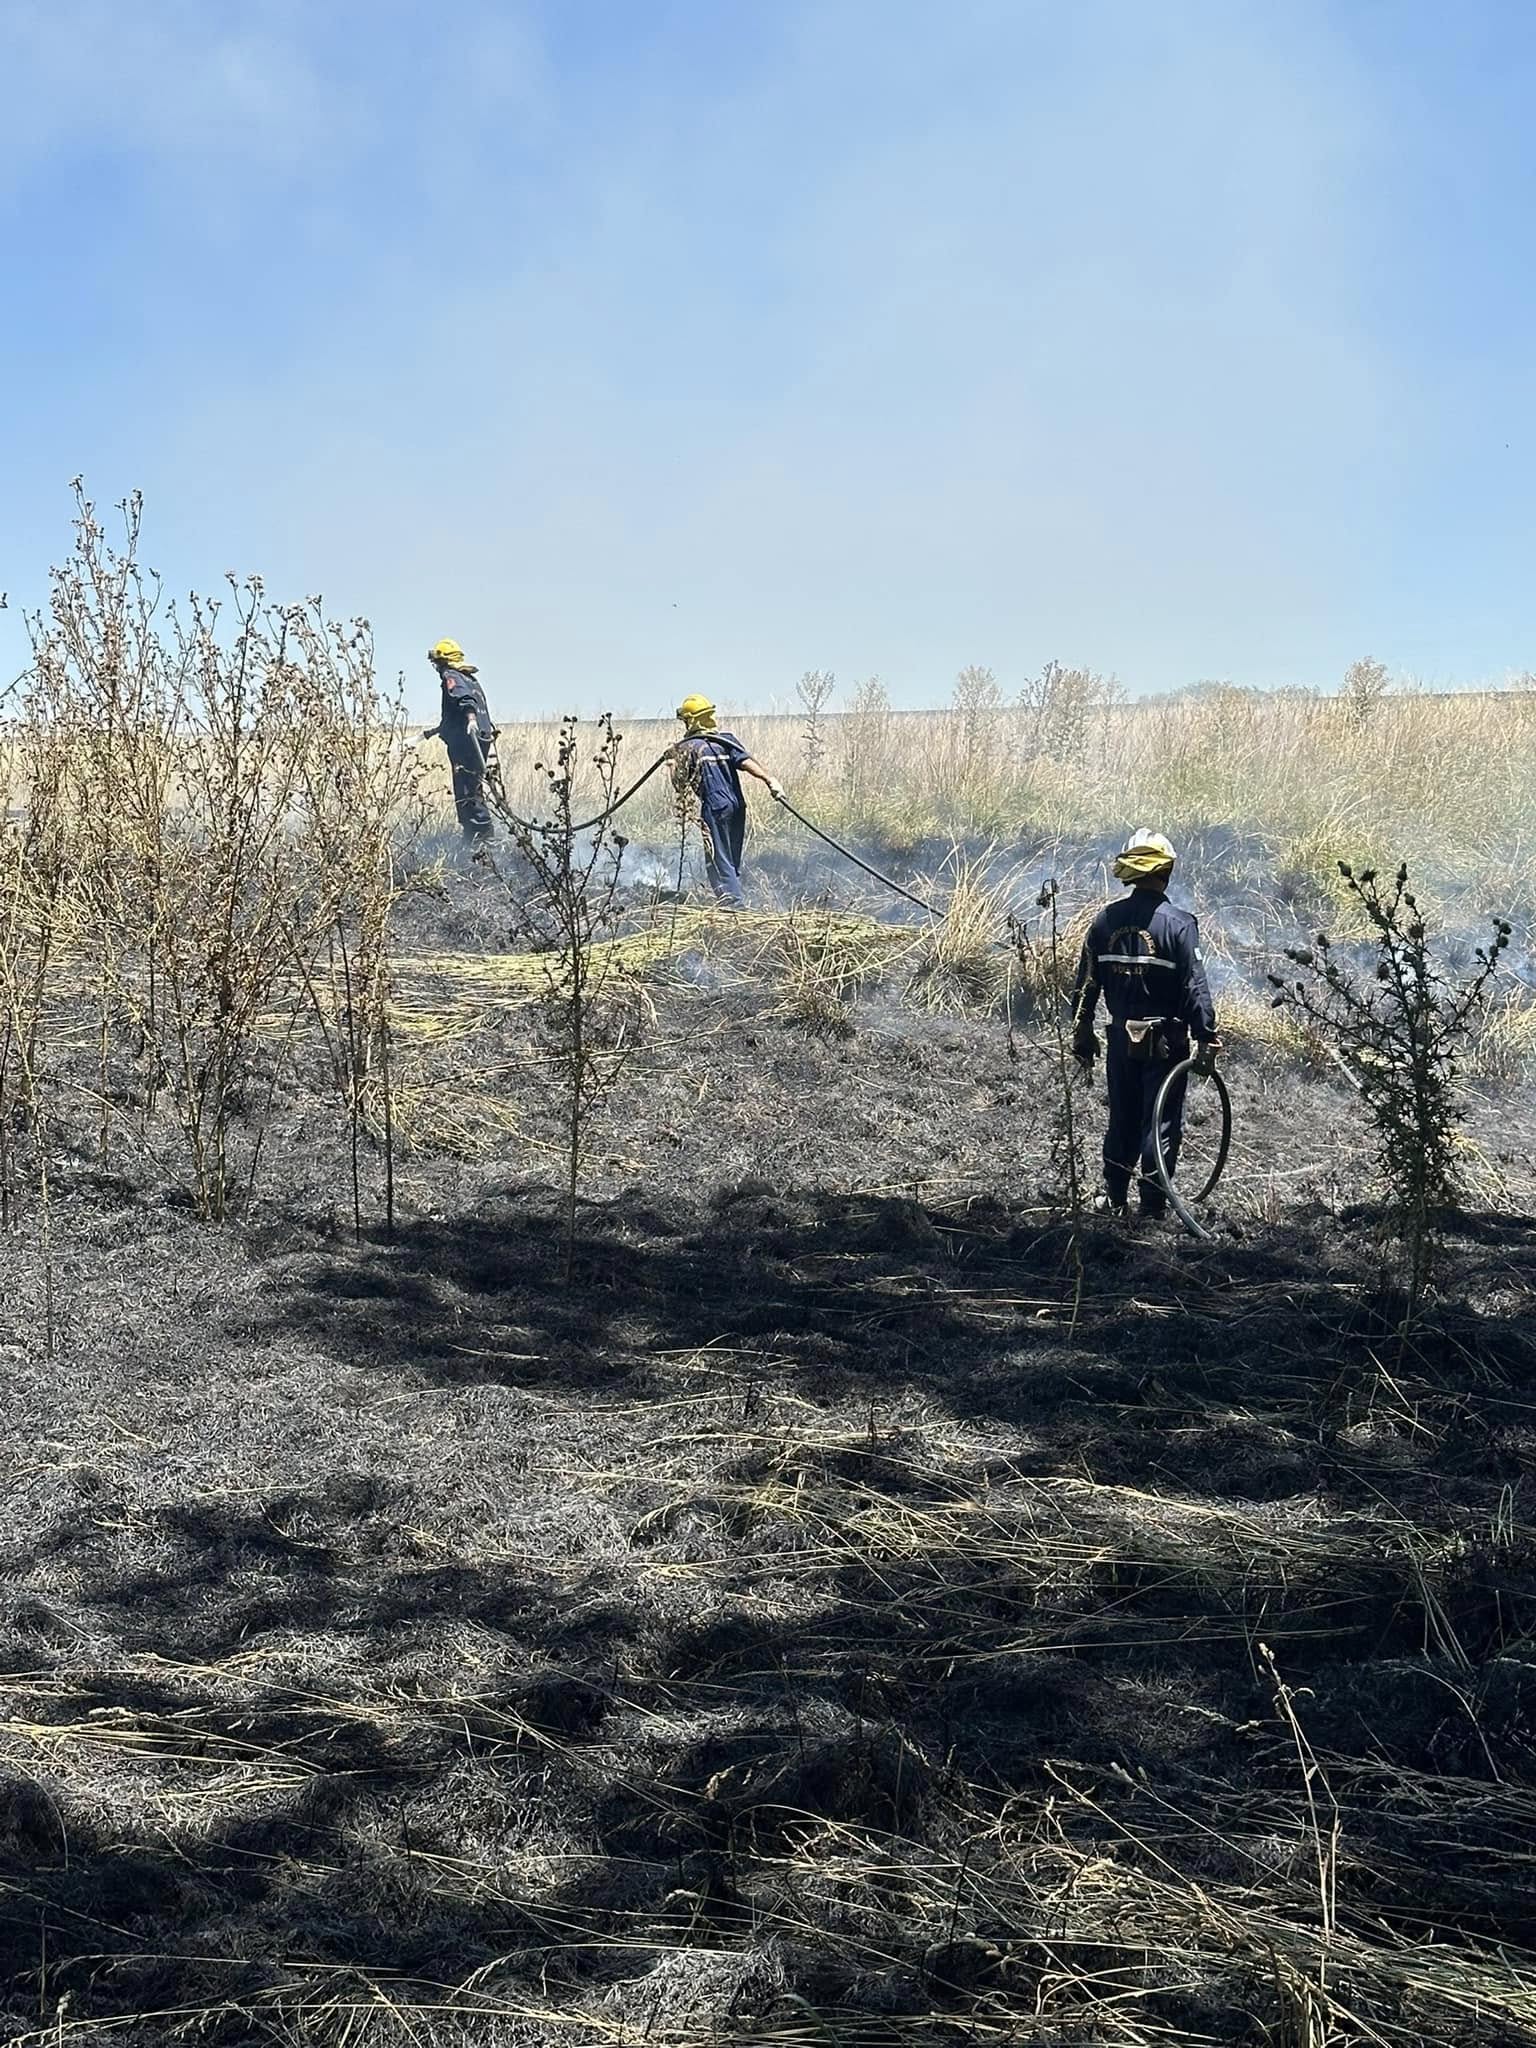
x=1297 y=781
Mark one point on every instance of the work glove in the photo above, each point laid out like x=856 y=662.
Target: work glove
x=472 y=727
x=1205 y=1055
x=433 y=732
x=1085 y=1051
x=776 y=790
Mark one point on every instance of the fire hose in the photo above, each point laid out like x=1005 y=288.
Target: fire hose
x=848 y=854
x=1197 y=1064
x=491 y=775
x=498 y=796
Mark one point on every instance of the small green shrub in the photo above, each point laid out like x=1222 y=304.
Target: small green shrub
x=1401 y=1030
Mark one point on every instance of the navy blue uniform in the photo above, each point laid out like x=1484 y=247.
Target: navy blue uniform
x=1143 y=956
x=464 y=699
x=712 y=762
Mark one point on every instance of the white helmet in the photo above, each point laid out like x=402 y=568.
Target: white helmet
x=1145 y=857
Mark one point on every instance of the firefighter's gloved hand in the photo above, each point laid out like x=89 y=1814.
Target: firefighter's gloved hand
x=472 y=727
x=1206 y=1054
x=1085 y=1051
x=433 y=732
x=776 y=790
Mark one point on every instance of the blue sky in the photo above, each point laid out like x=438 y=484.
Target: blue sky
x=653 y=345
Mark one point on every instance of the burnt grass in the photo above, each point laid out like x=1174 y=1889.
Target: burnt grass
x=806 y=1626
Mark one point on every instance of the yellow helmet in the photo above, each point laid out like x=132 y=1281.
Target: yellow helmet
x=448 y=652
x=1145 y=857
x=697 y=713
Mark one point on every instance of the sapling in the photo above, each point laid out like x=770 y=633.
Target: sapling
x=815 y=690
x=685 y=816
x=978 y=704
x=35 y=856
x=34 y=865
x=865 y=730
x=1365 y=684
x=229 y=775
x=356 y=790
x=1401 y=1029
x=1042 y=965
x=573 y=907
x=978 y=700
x=1057 y=707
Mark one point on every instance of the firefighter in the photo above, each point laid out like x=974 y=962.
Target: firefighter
x=1142 y=954
x=465 y=729
x=712 y=763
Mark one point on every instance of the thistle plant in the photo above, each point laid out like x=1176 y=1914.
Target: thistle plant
x=815 y=690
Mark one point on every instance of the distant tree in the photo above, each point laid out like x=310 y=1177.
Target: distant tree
x=1365 y=684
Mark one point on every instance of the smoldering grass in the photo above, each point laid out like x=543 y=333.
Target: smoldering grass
x=959 y=966
x=820 y=962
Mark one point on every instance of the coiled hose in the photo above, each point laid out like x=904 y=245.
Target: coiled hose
x=1182 y=1203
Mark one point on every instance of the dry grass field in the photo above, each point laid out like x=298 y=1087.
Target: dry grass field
x=1297 y=781
x=786 y=1577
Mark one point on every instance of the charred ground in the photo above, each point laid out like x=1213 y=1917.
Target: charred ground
x=801 y=1628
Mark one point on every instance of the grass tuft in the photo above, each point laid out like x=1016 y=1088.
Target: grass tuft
x=960 y=966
